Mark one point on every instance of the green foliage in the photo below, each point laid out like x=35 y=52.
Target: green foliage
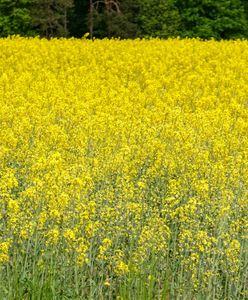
x=15 y=17
x=220 y=19
x=245 y=4
x=77 y=19
x=158 y=18
x=116 y=21
x=50 y=17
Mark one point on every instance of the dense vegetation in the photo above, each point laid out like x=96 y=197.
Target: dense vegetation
x=123 y=169
x=220 y=19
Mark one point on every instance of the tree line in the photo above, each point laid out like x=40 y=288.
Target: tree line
x=222 y=19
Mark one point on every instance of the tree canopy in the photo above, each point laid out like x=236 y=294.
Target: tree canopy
x=222 y=19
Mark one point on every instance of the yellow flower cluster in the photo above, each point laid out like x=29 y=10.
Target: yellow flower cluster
x=4 y=249
x=120 y=157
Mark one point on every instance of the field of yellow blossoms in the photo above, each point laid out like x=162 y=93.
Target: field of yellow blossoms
x=123 y=169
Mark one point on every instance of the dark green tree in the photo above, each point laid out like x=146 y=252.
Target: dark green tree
x=133 y=18
x=245 y=4
x=222 y=19
x=50 y=17
x=15 y=17
x=78 y=18
x=158 y=18
x=114 y=18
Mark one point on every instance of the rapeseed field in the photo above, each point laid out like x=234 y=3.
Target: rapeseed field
x=123 y=169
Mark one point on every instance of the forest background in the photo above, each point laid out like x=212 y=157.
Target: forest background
x=221 y=19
